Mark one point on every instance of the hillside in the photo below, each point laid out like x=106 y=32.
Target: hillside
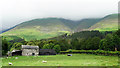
x=86 y=23
x=51 y=27
x=108 y=23
x=39 y=29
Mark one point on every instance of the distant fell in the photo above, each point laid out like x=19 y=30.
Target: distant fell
x=51 y=27
x=108 y=23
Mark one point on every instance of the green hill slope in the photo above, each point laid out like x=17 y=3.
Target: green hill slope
x=108 y=23
x=39 y=29
x=52 y=27
x=86 y=23
x=45 y=28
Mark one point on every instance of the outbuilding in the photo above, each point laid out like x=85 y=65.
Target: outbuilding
x=27 y=50
x=15 y=53
x=47 y=52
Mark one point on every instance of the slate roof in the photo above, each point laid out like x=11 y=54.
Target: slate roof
x=16 y=50
x=29 y=47
x=47 y=50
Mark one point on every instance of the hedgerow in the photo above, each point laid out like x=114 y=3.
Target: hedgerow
x=97 y=52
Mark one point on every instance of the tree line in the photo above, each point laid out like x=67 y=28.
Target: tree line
x=85 y=40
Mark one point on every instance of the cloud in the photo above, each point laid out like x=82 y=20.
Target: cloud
x=17 y=11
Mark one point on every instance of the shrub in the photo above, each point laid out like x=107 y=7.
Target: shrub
x=46 y=46
x=57 y=48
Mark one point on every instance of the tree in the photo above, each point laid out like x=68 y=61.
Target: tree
x=107 y=43
x=110 y=43
x=30 y=43
x=75 y=44
x=57 y=48
x=16 y=46
x=46 y=46
x=4 y=46
x=88 y=44
x=102 y=44
x=82 y=43
x=40 y=44
x=64 y=45
x=95 y=43
x=116 y=41
x=51 y=45
x=118 y=32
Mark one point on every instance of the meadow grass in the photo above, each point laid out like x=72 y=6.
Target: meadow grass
x=107 y=25
x=107 y=29
x=0 y=62
x=63 y=60
x=31 y=34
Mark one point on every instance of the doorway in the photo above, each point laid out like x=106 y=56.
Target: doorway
x=33 y=54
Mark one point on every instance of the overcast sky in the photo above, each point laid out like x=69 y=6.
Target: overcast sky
x=13 y=12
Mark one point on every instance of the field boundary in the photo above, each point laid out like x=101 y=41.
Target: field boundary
x=96 y=52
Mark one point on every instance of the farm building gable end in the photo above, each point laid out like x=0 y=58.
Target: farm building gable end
x=28 y=50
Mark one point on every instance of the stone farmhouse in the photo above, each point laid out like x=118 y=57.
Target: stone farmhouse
x=27 y=50
x=30 y=50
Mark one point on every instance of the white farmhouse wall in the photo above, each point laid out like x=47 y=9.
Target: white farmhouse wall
x=29 y=52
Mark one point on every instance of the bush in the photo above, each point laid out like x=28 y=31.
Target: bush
x=46 y=46
x=70 y=50
x=57 y=48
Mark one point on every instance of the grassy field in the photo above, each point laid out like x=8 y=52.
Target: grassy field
x=63 y=60
x=31 y=34
x=0 y=62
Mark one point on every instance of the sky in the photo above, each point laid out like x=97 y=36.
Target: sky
x=13 y=12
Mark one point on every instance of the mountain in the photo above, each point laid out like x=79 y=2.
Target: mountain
x=108 y=23
x=86 y=23
x=51 y=27
x=39 y=29
x=5 y=30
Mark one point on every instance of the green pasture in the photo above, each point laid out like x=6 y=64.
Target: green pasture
x=62 y=60
x=31 y=34
x=0 y=62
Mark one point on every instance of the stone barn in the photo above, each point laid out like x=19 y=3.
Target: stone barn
x=47 y=52
x=28 y=50
x=15 y=53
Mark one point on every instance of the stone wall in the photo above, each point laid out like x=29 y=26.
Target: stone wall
x=30 y=52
